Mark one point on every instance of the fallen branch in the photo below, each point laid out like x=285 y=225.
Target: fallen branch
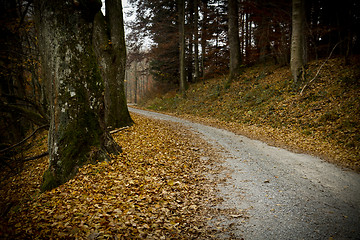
x=25 y=139
x=317 y=73
x=119 y=129
x=36 y=157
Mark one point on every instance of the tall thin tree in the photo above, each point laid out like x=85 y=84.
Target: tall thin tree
x=298 y=43
x=181 y=9
x=196 y=39
x=234 y=40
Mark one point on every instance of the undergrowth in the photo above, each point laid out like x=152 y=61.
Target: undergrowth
x=323 y=120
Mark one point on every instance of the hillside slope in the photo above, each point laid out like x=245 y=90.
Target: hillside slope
x=264 y=104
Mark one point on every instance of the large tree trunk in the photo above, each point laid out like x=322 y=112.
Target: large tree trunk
x=77 y=130
x=181 y=8
x=109 y=41
x=298 y=43
x=234 y=41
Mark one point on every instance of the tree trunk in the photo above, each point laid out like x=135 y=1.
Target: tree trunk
x=135 y=82
x=77 y=132
x=190 y=54
x=204 y=36
x=109 y=41
x=248 y=38
x=298 y=44
x=234 y=41
x=196 y=55
x=181 y=8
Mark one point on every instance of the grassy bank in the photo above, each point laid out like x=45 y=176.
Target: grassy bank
x=265 y=104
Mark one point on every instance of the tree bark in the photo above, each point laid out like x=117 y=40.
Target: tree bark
x=196 y=36
x=234 y=40
x=190 y=34
x=109 y=42
x=181 y=9
x=204 y=27
x=298 y=43
x=77 y=132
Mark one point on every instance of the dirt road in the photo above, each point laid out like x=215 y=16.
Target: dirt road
x=286 y=195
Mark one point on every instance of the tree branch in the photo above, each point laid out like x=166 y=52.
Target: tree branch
x=25 y=139
x=118 y=130
x=36 y=157
x=317 y=73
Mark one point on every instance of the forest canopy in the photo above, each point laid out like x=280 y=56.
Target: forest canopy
x=264 y=31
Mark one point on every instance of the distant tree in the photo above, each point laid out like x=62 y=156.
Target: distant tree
x=157 y=20
x=264 y=28
x=109 y=40
x=332 y=25
x=77 y=132
x=204 y=34
x=189 y=40
x=196 y=40
x=234 y=40
x=217 y=50
x=298 y=43
x=181 y=9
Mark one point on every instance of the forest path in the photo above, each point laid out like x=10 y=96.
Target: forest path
x=286 y=195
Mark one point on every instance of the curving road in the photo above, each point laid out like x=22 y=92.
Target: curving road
x=286 y=195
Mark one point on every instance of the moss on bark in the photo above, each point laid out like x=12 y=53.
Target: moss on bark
x=77 y=130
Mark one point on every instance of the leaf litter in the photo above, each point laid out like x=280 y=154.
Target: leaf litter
x=264 y=104
x=158 y=188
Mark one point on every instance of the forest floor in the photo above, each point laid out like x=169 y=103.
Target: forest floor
x=264 y=104
x=284 y=195
x=177 y=179
x=155 y=189
x=159 y=187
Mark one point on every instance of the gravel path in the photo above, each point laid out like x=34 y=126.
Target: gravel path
x=286 y=195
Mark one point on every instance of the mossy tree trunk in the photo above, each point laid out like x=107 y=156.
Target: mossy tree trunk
x=75 y=88
x=110 y=49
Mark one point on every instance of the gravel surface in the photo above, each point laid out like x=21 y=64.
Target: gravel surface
x=286 y=195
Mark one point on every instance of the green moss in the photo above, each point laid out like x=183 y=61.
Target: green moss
x=49 y=181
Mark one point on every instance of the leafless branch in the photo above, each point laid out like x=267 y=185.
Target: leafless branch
x=317 y=73
x=36 y=157
x=118 y=130
x=25 y=139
